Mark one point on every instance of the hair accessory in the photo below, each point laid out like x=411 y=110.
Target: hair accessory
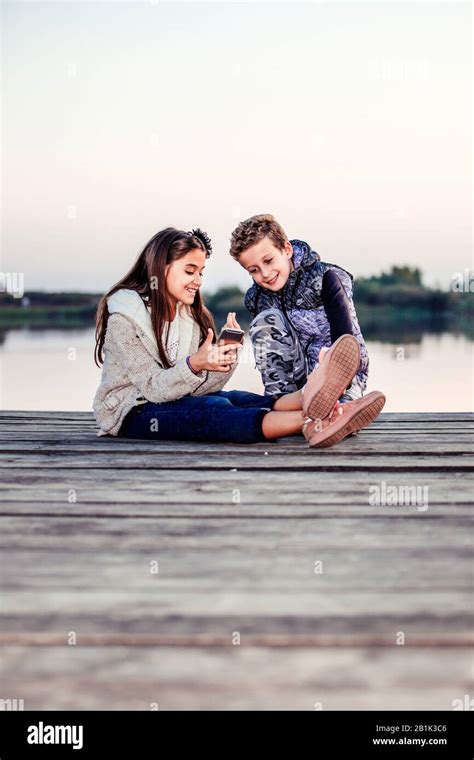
x=204 y=238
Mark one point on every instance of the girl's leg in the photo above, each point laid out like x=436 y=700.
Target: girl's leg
x=288 y=420
x=289 y=403
x=246 y=399
x=279 y=424
x=210 y=418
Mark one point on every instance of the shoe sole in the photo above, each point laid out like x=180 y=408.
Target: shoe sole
x=334 y=377
x=361 y=419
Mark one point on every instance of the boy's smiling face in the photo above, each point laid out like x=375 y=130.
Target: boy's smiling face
x=269 y=266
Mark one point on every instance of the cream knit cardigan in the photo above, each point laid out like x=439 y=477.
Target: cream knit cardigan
x=133 y=373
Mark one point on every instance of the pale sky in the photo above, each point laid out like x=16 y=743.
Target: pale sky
x=351 y=122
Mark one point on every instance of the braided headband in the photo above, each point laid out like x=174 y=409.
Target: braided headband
x=204 y=238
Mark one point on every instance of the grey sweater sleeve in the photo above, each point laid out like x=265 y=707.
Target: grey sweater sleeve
x=154 y=382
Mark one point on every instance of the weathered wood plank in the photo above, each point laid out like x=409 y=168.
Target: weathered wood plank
x=209 y=640
x=218 y=612
x=389 y=568
x=211 y=534
x=12 y=453
x=260 y=610
x=232 y=495
x=385 y=442
x=449 y=458
x=302 y=484
x=90 y=444
x=258 y=510
x=237 y=677
x=198 y=493
x=310 y=459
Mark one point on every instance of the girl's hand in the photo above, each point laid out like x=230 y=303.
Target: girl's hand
x=212 y=357
x=232 y=321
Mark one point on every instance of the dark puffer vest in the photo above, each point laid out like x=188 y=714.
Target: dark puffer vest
x=301 y=302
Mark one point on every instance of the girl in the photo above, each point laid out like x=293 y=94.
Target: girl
x=163 y=371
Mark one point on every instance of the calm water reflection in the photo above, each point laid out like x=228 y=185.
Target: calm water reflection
x=54 y=369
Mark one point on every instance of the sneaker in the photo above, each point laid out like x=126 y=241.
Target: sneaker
x=355 y=415
x=328 y=381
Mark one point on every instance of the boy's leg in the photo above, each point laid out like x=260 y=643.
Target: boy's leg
x=286 y=417
x=355 y=389
x=279 y=356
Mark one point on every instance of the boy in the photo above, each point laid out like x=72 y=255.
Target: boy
x=300 y=306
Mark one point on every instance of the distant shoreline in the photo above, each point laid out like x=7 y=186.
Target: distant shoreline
x=392 y=303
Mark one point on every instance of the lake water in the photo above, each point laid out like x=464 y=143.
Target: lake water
x=54 y=370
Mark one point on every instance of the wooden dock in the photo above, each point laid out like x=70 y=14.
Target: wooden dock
x=142 y=575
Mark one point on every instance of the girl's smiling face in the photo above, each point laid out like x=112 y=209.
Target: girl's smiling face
x=269 y=266
x=184 y=276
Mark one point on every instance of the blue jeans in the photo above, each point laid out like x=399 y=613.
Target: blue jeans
x=223 y=416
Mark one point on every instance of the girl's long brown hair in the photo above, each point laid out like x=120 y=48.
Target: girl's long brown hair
x=166 y=246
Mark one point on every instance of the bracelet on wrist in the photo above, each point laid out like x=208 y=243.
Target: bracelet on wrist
x=195 y=371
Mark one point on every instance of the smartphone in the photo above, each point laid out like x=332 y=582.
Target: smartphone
x=229 y=335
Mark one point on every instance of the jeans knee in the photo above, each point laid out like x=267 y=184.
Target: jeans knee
x=214 y=401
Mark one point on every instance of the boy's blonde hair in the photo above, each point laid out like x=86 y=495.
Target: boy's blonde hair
x=253 y=230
